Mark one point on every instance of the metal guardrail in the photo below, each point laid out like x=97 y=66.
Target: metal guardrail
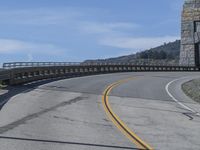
x=12 y=65
x=22 y=72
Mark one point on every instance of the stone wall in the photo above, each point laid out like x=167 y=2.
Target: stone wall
x=189 y=37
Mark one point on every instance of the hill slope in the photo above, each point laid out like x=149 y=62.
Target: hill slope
x=168 y=52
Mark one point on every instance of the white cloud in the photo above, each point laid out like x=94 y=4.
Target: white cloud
x=113 y=34
x=106 y=28
x=136 y=43
x=12 y=46
x=42 y=16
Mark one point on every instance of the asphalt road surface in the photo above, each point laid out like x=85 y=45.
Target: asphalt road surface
x=69 y=115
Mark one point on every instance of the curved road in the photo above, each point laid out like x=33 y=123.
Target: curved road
x=68 y=114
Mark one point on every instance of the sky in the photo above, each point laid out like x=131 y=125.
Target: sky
x=76 y=30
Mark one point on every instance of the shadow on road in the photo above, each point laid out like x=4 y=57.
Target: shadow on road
x=69 y=143
x=25 y=88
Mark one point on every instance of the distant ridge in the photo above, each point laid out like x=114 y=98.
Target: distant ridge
x=168 y=52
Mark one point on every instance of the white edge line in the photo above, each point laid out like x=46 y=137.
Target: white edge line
x=176 y=100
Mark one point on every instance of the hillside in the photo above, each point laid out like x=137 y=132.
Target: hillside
x=166 y=53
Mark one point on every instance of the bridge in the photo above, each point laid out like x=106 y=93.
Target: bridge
x=144 y=102
x=112 y=106
x=23 y=72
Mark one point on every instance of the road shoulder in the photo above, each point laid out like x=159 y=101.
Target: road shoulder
x=192 y=89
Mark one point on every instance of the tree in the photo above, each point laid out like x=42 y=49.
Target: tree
x=162 y=55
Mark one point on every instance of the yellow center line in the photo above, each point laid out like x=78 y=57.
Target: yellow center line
x=117 y=121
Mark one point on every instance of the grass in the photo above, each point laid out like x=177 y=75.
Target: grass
x=192 y=89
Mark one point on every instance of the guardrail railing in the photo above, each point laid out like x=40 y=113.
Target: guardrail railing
x=12 y=65
x=37 y=64
x=22 y=72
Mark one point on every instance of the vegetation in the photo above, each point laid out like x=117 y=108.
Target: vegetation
x=168 y=53
x=153 y=55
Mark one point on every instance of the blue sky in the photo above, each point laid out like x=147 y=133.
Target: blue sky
x=75 y=30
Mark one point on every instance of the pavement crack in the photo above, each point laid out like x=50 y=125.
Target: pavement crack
x=82 y=121
x=23 y=120
x=64 y=118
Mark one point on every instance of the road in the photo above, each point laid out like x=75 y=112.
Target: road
x=69 y=115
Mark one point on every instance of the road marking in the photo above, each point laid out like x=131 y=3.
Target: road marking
x=177 y=101
x=118 y=122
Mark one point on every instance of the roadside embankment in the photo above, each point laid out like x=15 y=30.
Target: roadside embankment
x=192 y=89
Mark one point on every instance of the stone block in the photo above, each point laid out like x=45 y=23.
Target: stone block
x=189 y=36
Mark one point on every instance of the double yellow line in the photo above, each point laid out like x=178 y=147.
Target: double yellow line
x=118 y=122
